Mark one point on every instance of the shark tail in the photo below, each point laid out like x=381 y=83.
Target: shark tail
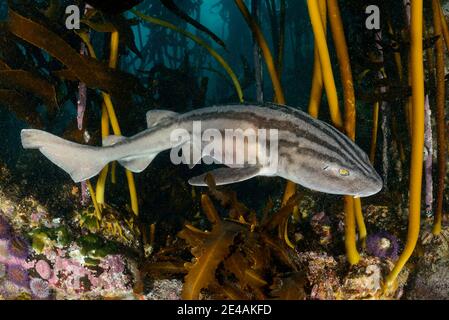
x=79 y=161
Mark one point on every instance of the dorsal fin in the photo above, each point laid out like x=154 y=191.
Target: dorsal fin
x=154 y=117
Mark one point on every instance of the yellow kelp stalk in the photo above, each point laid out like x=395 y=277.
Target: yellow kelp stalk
x=317 y=80
x=416 y=171
x=353 y=207
x=290 y=189
x=94 y=201
x=323 y=51
x=200 y=42
x=109 y=112
x=348 y=92
x=440 y=114
x=331 y=91
x=105 y=132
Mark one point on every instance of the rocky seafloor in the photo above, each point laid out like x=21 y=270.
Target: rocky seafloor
x=47 y=253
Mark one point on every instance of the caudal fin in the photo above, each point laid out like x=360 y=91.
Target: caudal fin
x=79 y=161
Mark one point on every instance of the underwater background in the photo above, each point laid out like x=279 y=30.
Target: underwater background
x=375 y=69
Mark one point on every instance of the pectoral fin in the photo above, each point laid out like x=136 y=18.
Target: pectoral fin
x=224 y=176
x=137 y=165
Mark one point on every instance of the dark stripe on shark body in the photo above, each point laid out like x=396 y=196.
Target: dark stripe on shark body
x=330 y=130
x=278 y=120
x=248 y=115
x=338 y=158
x=327 y=127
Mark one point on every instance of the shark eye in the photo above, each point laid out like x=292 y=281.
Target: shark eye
x=344 y=172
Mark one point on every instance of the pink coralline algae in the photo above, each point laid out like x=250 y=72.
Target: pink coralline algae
x=39 y=288
x=43 y=269
x=113 y=264
x=18 y=275
x=70 y=277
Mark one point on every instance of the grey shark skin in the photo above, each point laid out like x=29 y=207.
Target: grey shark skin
x=310 y=152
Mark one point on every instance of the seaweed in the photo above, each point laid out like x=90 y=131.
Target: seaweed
x=208 y=256
x=235 y=256
x=31 y=83
x=85 y=69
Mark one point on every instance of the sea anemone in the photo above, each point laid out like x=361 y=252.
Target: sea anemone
x=18 y=247
x=43 y=269
x=383 y=245
x=18 y=275
x=40 y=288
x=5 y=229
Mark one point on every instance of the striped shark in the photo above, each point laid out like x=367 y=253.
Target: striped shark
x=310 y=152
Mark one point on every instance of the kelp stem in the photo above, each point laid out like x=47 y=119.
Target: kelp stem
x=350 y=232
x=101 y=182
x=290 y=188
x=282 y=30
x=279 y=94
x=113 y=60
x=374 y=133
x=445 y=28
x=360 y=220
x=317 y=80
x=416 y=172
x=113 y=57
x=345 y=67
x=440 y=114
x=428 y=164
x=94 y=200
x=258 y=68
x=353 y=214
x=323 y=50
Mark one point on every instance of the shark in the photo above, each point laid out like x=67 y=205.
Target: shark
x=309 y=152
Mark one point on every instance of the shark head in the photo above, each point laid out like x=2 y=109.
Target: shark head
x=330 y=175
x=330 y=162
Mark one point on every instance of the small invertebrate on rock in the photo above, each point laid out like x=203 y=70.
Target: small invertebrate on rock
x=383 y=245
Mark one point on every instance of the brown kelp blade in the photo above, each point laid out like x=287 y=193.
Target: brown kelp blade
x=87 y=70
x=31 y=83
